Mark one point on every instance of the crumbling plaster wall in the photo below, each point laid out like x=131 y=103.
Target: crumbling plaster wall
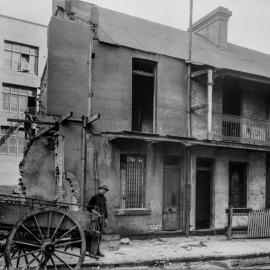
x=38 y=169
x=254 y=101
x=108 y=154
x=72 y=132
x=198 y=98
x=256 y=181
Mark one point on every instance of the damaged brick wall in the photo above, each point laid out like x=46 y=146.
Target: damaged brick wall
x=38 y=173
x=38 y=169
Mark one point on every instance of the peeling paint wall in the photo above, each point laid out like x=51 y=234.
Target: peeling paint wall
x=256 y=179
x=39 y=169
x=109 y=174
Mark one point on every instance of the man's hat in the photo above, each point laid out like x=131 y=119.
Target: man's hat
x=104 y=187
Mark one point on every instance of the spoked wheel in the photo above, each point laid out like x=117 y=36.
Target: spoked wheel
x=46 y=239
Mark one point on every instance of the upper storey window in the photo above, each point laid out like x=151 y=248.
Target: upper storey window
x=20 y=57
x=143 y=78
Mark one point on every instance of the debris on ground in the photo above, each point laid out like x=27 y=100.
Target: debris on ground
x=161 y=239
x=189 y=246
x=124 y=241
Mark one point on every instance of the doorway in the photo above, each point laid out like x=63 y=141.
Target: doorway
x=172 y=217
x=203 y=193
x=238 y=184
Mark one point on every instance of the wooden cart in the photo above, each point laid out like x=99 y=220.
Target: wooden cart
x=45 y=235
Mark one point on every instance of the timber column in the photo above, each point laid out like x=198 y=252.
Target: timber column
x=209 y=103
x=188 y=168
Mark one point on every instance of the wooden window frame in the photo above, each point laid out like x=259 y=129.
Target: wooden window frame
x=23 y=52
x=16 y=136
x=19 y=92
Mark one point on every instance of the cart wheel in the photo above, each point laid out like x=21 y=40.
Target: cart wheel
x=46 y=239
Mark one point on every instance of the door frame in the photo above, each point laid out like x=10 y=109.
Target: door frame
x=212 y=191
x=181 y=201
x=245 y=164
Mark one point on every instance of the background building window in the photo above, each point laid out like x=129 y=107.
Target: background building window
x=14 y=144
x=18 y=99
x=20 y=57
x=132 y=169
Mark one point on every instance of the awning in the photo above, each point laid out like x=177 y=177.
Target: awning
x=146 y=137
x=115 y=137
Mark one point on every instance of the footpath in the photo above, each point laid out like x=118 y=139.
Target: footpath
x=159 y=251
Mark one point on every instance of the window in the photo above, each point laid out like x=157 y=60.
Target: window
x=18 y=99
x=14 y=145
x=132 y=170
x=238 y=184
x=19 y=57
x=143 y=76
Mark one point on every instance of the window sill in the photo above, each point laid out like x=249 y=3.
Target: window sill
x=132 y=212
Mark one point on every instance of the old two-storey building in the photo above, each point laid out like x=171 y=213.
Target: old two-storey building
x=23 y=52
x=173 y=159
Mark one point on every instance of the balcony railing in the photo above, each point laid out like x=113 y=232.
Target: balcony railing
x=239 y=129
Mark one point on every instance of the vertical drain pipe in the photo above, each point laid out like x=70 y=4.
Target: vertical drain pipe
x=83 y=164
x=189 y=70
x=188 y=150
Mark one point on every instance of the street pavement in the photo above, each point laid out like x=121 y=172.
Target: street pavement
x=257 y=263
x=195 y=252
x=163 y=251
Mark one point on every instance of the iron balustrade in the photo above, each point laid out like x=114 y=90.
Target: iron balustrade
x=240 y=129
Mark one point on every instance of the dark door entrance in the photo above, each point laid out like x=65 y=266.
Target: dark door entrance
x=203 y=193
x=267 y=181
x=238 y=184
x=171 y=193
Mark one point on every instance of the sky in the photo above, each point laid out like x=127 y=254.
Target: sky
x=249 y=25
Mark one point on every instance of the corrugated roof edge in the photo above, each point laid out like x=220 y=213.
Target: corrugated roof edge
x=255 y=59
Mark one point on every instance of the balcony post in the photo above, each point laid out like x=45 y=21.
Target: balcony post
x=210 y=103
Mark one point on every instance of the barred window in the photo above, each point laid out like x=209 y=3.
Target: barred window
x=14 y=145
x=20 y=57
x=18 y=99
x=132 y=170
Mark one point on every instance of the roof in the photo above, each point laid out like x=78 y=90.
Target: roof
x=121 y=29
x=24 y=21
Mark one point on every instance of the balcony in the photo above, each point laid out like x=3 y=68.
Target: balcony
x=239 y=129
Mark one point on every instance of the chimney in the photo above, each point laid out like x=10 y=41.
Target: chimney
x=214 y=26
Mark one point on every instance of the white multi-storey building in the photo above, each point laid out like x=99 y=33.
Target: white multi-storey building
x=23 y=52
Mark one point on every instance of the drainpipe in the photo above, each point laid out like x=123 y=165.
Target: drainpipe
x=188 y=150
x=83 y=160
x=210 y=103
x=189 y=70
x=90 y=80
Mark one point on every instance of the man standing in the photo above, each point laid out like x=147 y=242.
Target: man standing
x=98 y=204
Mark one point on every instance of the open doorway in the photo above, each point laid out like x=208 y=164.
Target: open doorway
x=203 y=193
x=143 y=76
x=238 y=184
x=232 y=105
